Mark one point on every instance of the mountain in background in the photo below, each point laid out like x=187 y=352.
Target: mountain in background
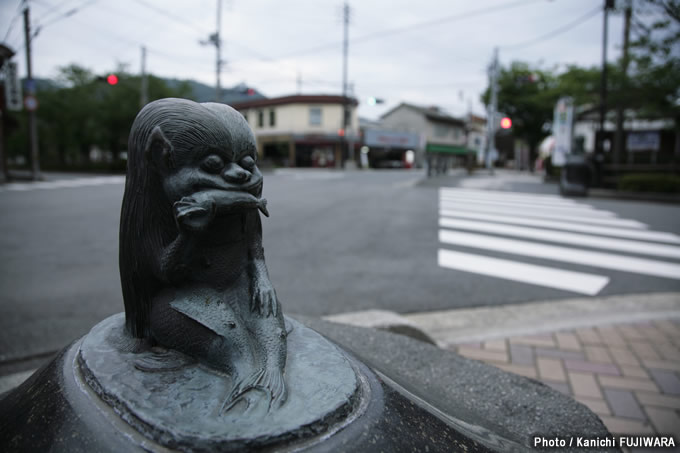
x=201 y=92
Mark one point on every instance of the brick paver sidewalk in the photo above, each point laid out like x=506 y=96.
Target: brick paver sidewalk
x=629 y=374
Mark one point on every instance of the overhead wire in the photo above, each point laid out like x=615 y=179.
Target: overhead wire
x=558 y=31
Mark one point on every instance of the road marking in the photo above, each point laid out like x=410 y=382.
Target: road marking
x=572 y=211
x=62 y=183
x=542 y=214
x=541 y=201
x=644 y=235
x=578 y=282
x=600 y=242
x=565 y=254
x=505 y=195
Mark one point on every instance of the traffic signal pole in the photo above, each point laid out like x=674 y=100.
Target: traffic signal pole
x=144 y=97
x=32 y=123
x=491 y=114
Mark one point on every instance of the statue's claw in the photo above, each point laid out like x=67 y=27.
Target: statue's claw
x=193 y=214
x=264 y=301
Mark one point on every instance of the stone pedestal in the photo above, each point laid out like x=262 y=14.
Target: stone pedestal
x=364 y=390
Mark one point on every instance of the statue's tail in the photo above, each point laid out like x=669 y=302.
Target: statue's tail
x=269 y=381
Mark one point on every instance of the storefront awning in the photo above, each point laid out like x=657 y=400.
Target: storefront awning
x=447 y=149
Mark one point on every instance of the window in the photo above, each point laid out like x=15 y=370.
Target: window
x=245 y=115
x=272 y=118
x=260 y=118
x=315 y=116
x=441 y=130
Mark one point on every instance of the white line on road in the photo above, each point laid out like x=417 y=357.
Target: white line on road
x=541 y=201
x=542 y=214
x=503 y=194
x=62 y=183
x=585 y=212
x=565 y=254
x=643 y=235
x=600 y=242
x=573 y=211
x=578 y=282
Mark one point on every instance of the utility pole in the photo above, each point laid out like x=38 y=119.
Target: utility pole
x=214 y=39
x=298 y=82
x=491 y=110
x=218 y=45
x=144 y=99
x=345 y=103
x=619 y=142
x=599 y=145
x=32 y=123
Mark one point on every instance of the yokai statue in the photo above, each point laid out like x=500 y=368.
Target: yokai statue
x=191 y=258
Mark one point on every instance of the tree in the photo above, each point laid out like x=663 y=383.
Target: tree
x=655 y=49
x=528 y=96
x=78 y=111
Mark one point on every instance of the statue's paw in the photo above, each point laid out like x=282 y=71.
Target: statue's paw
x=264 y=301
x=194 y=215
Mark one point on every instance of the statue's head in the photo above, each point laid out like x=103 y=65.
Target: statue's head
x=176 y=147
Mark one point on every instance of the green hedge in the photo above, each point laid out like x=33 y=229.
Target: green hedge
x=650 y=182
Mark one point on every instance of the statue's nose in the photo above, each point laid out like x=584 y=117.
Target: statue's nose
x=236 y=174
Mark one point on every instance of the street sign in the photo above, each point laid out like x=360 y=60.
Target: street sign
x=562 y=130
x=31 y=103
x=12 y=87
x=30 y=86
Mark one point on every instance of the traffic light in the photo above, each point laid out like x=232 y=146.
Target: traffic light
x=111 y=79
x=506 y=123
x=373 y=101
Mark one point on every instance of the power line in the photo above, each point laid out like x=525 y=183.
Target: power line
x=397 y=30
x=14 y=20
x=178 y=19
x=555 y=32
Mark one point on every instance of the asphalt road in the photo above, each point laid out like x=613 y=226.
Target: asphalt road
x=335 y=242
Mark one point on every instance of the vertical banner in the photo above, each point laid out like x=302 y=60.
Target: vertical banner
x=563 y=121
x=13 y=87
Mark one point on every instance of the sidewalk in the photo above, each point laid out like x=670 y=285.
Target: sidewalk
x=618 y=355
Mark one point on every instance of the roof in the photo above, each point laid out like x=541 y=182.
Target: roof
x=431 y=113
x=294 y=99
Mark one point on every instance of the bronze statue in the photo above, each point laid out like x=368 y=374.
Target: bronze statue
x=191 y=258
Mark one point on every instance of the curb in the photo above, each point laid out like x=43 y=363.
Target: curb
x=457 y=326
x=383 y=320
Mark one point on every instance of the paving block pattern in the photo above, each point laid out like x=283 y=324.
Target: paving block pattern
x=628 y=374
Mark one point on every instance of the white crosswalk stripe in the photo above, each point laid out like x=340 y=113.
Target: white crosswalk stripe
x=483 y=220
x=62 y=183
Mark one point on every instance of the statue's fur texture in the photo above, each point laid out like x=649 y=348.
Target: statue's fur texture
x=191 y=259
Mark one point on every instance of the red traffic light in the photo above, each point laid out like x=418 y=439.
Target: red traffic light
x=506 y=123
x=112 y=79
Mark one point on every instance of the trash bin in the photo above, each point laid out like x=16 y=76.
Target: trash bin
x=575 y=176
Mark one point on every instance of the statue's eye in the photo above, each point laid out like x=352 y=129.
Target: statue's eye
x=247 y=162
x=213 y=164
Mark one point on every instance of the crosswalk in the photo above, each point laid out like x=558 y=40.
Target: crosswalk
x=62 y=183
x=549 y=228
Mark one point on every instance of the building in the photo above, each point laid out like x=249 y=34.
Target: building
x=387 y=148
x=301 y=130
x=476 y=136
x=441 y=134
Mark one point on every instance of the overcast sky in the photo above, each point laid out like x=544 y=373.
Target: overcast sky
x=428 y=52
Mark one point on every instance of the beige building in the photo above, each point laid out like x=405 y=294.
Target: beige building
x=301 y=130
